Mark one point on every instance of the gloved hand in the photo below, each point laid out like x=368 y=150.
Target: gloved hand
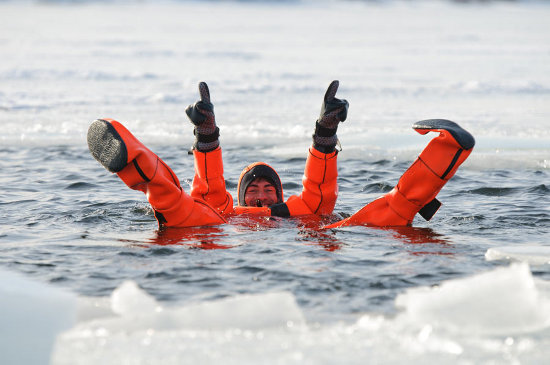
x=202 y=116
x=333 y=111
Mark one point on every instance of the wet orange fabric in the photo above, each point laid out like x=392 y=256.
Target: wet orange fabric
x=209 y=183
x=209 y=202
x=318 y=196
x=417 y=187
x=320 y=182
x=261 y=211
x=147 y=173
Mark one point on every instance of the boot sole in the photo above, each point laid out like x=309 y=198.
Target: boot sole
x=106 y=146
x=462 y=136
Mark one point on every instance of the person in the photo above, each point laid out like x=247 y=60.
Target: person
x=259 y=188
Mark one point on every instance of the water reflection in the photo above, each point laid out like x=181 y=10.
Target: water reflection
x=219 y=237
x=309 y=231
x=323 y=238
x=417 y=235
x=424 y=241
x=206 y=238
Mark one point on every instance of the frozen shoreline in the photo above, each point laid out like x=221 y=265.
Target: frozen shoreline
x=479 y=318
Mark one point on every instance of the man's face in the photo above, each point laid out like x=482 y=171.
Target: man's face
x=260 y=193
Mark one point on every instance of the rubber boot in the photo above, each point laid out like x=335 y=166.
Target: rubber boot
x=140 y=169
x=417 y=188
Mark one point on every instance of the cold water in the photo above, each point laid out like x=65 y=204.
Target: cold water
x=278 y=291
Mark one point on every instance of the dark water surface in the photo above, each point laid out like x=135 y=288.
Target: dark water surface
x=67 y=221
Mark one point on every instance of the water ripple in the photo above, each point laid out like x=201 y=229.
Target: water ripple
x=492 y=191
x=79 y=186
x=541 y=189
x=377 y=188
x=88 y=232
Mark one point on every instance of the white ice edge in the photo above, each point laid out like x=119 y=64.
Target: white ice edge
x=532 y=254
x=456 y=317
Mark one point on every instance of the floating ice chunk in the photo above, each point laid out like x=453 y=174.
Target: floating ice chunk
x=32 y=316
x=502 y=301
x=129 y=299
x=270 y=329
x=89 y=308
x=137 y=311
x=205 y=332
x=243 y=311
x=244 y=329
x=534 y=255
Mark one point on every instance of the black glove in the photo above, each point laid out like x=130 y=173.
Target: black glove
x=202 y=116
x=333 y=111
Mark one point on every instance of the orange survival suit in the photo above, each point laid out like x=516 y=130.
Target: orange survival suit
x=318 y=196
x=210 y=204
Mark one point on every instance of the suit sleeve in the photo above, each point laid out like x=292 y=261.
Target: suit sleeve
x=209 y=183
x=320 y=185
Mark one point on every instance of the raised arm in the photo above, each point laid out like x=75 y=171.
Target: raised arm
x=208 y=182
x=320 y=187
